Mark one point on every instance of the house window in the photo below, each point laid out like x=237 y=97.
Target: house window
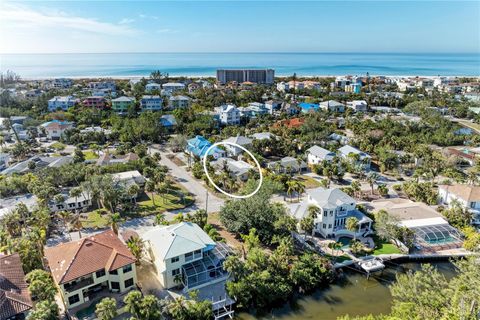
x=175 y=272
x=127 y=268
x=175 y=259
x=325 y=213
x=324 y=225
x=128 y=283
x=331 y=213
x=100 y=273
x=113 y=271
x=330 y=226
x=472 y=204
x=188 y=256
x=73 y=299
x=115 y=285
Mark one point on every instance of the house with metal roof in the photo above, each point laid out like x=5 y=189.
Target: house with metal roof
x=198 y=147
x=316 y=155
x=335 y=207
x=235 y=151
x=356 y=156
x=333 y=106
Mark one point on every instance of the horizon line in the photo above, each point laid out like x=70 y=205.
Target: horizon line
x=242 y=52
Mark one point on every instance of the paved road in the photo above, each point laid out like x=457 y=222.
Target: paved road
x=191 y=184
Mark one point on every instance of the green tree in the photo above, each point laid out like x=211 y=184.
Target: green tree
x=44 y=310
x=41 y=285
x=352 y=225
x=136 y=246
x=106 y=309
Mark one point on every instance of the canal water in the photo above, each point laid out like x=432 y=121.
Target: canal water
x=351 y=294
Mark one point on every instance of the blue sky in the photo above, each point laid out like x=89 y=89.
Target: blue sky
x=243 y=26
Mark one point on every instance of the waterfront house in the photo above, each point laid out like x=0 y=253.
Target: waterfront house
x=15 y=300
x=288 y=165
x=184 y=255
x=357 y=157
x=102 y=85
x=316 y=155
x=151 y=103
x=334 y=208
x=86 y=268
x=61 y=83
x=95 y=102
x=467 y=196
x=61 y=103
x=332 y=105
x=178 y=102
x=198 y=147
x=151 y=87
x=432 y=233
x=122 y=104
x=358 y=105
x=55 y=129
x=235 y=151
x=228 y=114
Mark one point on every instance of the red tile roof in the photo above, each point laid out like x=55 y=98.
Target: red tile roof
x=290 y=123
x=71 y=260
x=14 y=295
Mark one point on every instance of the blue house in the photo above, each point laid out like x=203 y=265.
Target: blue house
x=168 y=121
x=308 y=107
x=198 y=146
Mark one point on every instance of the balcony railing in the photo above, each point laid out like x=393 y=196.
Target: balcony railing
x=81 y=284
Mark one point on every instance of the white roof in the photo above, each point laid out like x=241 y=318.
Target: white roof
x=320 y=152
x=123 y=98
x=346 y=150
x=263 y=135
x=174 y=240
x=173 y=84
x=330 y=198
x=423 y=222
x=240 y=140
x=228 y=108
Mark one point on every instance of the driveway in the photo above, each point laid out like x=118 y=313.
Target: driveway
x=189 y=182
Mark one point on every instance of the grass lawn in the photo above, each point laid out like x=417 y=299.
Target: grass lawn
x=57 y=146
x=95 y=220
x=90 y=155
x=160 y=203
x=310 y=183
x=385 y=248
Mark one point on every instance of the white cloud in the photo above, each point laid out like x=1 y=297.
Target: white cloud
x=13 y=16
x=126 y=21
x=166 y=30
x=146 y=16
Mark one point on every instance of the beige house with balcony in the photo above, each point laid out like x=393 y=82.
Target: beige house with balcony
x=89 y=267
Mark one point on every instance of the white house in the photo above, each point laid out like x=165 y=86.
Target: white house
x=150 y=87
x=333 y=106
x=358 y=105
x=316 y=155
x=178 y=102
x=235 y=151
x=363 y=160
x=229 y=114
x=61 y=103
x=238 y=169
x=467 y=196
x=184 y=255
x=82 y=202
x=55 y=129
x=283 y=86
x=334 y=208
x=171 y=87
x=151 y=103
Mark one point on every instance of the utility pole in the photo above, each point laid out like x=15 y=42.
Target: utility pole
x=206 y=201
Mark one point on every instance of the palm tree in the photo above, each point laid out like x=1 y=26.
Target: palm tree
x=300 y=188
x=307 y=224
x=77 y=224
x=372 y=179
x=114 y=220
x=352 y=225
x=313 y=211
x=355 y=185
x=150 y=187
x=160 y=220
x=64 y=216
x=136 y=246
x=106 y=309
x=291 y=185
x=132 y=191
x=334 y=246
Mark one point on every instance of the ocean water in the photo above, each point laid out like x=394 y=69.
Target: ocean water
x=205 y=64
